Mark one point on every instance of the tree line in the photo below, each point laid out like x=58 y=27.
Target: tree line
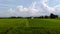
x=51 y=16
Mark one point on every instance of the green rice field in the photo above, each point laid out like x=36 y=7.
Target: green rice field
x=29 y=26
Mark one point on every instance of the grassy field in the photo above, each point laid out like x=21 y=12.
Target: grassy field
x=29 y=26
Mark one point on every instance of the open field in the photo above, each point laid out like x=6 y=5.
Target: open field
x=29 y=26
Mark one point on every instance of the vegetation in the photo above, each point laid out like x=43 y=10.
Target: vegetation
x=51 y=16
x=26 y=25
x=29 y=26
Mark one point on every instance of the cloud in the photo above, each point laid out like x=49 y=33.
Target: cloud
x=43 y=1
x=32 y=5
x=20 y=10
x=46 y=8
x=57 y=9
x=31 y=10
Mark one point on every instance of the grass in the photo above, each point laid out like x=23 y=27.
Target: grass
x=29 y=26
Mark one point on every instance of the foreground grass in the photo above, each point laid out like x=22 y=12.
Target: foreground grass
x=29 y=26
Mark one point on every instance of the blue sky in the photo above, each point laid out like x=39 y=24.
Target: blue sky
x=8 y=6
x=53 y=2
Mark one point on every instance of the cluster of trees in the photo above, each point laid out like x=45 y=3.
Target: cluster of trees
x=51 y=16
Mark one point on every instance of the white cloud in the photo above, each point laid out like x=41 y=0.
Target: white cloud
x=43 y=0
x=32 y=11
x=57 y=9
x=46 y=7
x=22 y=9
x=32 y=5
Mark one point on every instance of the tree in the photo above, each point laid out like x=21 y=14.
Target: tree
x=46 y=17
x=53 y=16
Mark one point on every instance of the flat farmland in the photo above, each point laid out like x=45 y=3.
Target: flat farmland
x=29 y=26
